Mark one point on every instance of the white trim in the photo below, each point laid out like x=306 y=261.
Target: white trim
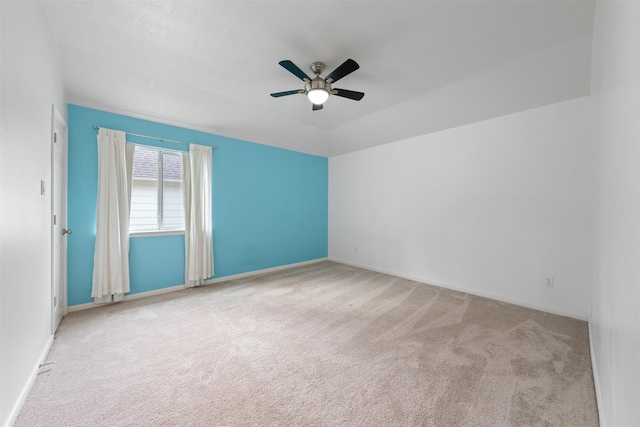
x=15 y=411
x=89 y=305
x=56 y=117
x=153 y=233
x=266 y=270
x=596 y=378
x=470 y=291
x=158 y=147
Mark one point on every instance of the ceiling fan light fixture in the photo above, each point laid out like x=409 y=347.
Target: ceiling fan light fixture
x=318 y=89
x=318 y=96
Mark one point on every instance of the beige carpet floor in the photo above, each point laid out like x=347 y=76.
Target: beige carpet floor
x=319 y=345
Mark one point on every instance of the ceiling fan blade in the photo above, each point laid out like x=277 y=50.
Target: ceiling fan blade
x=356 y=96
x=347 y=67
x=293 y=69
x=289 y=92
x=317 y=107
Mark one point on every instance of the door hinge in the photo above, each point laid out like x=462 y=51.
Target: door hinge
x=55 y=137
x=54 y=220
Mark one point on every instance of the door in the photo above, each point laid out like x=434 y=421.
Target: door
x=59 y=219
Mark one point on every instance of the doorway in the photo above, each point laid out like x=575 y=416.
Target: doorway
x=59 y=218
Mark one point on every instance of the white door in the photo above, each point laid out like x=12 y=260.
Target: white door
x=59 y=219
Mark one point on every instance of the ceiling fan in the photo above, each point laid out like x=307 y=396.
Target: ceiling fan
x=318 y=89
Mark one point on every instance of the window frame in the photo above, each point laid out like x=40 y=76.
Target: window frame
x=159 y=195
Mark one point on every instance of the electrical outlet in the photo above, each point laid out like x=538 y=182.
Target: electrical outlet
x=549 y=282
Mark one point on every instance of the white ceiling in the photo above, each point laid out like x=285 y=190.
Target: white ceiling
x=211 y=65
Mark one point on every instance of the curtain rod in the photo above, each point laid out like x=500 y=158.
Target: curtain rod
x=155 y=137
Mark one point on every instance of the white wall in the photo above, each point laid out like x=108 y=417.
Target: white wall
x=492 y=208
x=615 y=322
x=31 y=83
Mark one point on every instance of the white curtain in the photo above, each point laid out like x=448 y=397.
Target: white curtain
x=111 y=256
x=198 y=233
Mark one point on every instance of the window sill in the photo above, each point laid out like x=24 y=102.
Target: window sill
x=155 y=233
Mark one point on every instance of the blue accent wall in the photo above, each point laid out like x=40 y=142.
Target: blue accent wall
x=269 y=206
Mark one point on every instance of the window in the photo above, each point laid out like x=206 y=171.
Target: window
x=156 y=204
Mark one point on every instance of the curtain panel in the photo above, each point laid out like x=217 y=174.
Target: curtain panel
x=111 y=256
x=198 y=234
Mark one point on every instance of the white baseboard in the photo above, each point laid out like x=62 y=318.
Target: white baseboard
x=466 y=290
x=596 y=377
x=265 y=270
x=89 y=305
x=15 y=411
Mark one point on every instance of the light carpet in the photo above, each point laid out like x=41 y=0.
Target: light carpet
x=319 y=345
